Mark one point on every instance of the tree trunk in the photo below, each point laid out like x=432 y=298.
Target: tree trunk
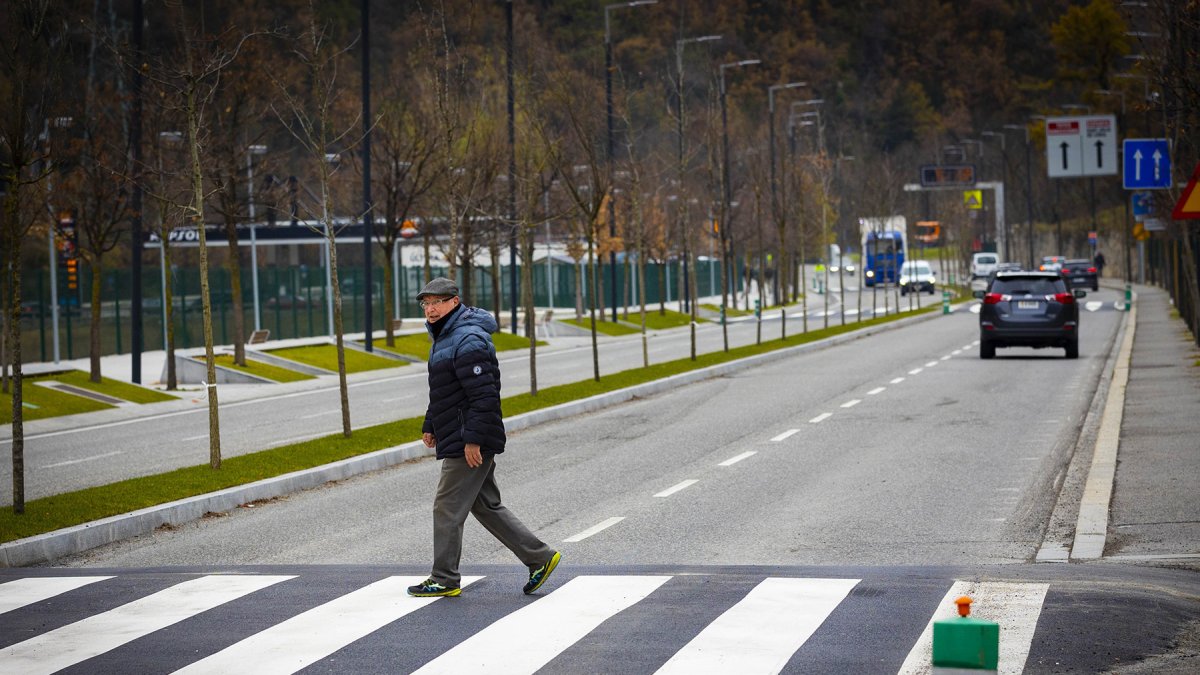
x=197 y=218
x=235 y=283
x=343 y=391
x=527 y=302
x=169 y=309
x=389 y=313
x=13 y=246
x=94 y=328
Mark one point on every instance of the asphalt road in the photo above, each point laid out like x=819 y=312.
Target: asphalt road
x=63 y=454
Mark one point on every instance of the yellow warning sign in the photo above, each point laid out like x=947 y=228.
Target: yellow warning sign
x=973 y=199
x=1188 y=206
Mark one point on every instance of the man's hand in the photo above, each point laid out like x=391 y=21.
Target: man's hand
x=429 y=439
x=472 y=454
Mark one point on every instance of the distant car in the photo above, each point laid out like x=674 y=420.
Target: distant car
x=286 y=301
x=1004 y=267
x=1079 y=273
x=917 y=276
x=1052 y=263
x=1028 y=309
x=983 y=264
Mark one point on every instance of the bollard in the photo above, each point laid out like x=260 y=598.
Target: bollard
x=964 y=643
x=945 y=302
x=757 y=308
x=1128 y=296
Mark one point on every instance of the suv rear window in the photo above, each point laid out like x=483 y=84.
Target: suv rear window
x=1028 y=286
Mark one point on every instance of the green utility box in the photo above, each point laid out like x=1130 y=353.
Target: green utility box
x=964 y=642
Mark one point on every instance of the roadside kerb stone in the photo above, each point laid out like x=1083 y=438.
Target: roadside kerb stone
x=45 y=548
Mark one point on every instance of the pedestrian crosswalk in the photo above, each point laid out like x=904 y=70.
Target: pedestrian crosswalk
x=362 y=620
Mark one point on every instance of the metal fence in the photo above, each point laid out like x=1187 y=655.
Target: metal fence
x=292 y=302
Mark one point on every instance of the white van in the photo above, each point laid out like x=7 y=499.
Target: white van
x=983 y=264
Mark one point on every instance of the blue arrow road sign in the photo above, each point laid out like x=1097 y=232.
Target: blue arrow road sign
x=1147 y=164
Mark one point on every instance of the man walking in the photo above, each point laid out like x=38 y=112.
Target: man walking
x=1099 y=261
x=464 y=422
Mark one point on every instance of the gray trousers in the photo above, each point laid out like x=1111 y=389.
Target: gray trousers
x=462 y=490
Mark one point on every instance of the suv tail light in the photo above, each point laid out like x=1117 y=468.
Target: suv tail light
x=1064 y=298
x=993 y=298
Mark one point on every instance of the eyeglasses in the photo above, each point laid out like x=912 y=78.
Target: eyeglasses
x=430 y=303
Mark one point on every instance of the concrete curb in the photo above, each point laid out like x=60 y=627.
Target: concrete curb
x=1091 y=529
x=45 y=548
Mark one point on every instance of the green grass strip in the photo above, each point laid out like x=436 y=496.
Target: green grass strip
x=271 y=372
x=663 y=321
x=73 y=508
x=122 y=390
x=729 y=311
x=325 y=356
x=48 y=402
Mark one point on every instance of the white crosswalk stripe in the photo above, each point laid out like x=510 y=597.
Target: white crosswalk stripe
x=98 y=634
x=777 y=617
x=529 y=638
x=21 y=592
x=1015 y=606
x=311 y=636
x=748 y=625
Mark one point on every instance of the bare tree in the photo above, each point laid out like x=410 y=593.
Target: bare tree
x=26 y=85
x=310 y=114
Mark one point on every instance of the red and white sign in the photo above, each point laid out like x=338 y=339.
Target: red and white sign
x=1081 y=146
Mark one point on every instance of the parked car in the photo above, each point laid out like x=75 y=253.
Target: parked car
x=1081 y=272
x=286 y=301
x=917 y=276
x=983 y=264
x=1003 y=267
x=1029 y=309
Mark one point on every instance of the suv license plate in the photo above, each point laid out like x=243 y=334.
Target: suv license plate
x=1027 y=304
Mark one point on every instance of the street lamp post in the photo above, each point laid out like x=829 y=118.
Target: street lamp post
x=688 y=300
x=1087 y=110
x=251 y=151
x=727 y=197
x=608 y=105
x=1003 y=180
x=1028 y=186
x=817 y=102
x=60 y=123
x=775 y=207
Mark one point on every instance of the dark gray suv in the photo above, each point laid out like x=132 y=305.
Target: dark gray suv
x=1028 y=309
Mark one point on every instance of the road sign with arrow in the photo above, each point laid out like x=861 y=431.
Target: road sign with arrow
x=1147 y=164
x=1081 y=146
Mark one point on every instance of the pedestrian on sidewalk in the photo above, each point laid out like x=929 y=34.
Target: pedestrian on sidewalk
x=1099 y=261
x=465 y=424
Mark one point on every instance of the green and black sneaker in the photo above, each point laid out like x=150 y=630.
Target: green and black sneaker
x=538 y=575
x=432 y=589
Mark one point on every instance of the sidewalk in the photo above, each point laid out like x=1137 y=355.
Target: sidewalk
x=1155 y=512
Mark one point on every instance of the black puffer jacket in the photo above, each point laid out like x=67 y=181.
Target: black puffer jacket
x=464 y=384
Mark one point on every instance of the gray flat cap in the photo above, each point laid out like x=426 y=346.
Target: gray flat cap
x=438 y=286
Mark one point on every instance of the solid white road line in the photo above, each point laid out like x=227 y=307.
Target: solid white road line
x=897 y=380
x=95 y=635
x=784 y=435
x=852 y=402
x=529 y=638
x=600 y=527
x=310 y=636
x=677 y=487
x=737 y=458
x=1015 y=606
x=876 y=390
x=21 y=592
x=762 y=631
x=820 y=418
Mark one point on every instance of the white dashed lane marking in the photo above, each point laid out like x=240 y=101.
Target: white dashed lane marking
x=784 y=435
x=820 y=418
x=737 y=458
x=876 y=390
x=677 y=487
x=852 y=402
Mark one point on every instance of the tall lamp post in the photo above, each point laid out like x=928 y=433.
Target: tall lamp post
x=1087 y=110
x=726 y=197
x=1028 y=185
x=775 y=207
x=512 y=166
x=816 y=102
x=251 y=151
x=1004 y=180
x=60 y=123
x=608 y=105
x=688 y=301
